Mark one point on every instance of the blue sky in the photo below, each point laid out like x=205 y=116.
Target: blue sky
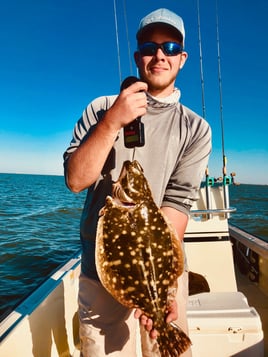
x=57 y=55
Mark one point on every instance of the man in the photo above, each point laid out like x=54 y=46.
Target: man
x=174 y=158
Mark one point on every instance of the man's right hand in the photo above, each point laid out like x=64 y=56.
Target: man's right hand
x=129 y=105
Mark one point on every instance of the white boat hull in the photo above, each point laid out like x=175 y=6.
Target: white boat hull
x=46 y=323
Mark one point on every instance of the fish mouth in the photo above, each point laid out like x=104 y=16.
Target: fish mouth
x=120 y=196
x=123 y=190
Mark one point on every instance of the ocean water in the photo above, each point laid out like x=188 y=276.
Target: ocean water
x=39 y=228
x=251 y=203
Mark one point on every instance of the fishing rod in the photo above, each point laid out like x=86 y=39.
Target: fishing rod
x=127 y=35
x=227 y=180
x=209 y=180
x=134 y=131
x=117 y=42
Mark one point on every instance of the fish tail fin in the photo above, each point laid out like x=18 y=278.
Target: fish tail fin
x=172 y=341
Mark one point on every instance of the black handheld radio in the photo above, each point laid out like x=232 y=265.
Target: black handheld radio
x=134 y=131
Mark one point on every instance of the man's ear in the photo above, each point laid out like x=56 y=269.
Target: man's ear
x=184 y=57
x=137 y=57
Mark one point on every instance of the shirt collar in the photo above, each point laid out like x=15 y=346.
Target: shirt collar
x=172 y=99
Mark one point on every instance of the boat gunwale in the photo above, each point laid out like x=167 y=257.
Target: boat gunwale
x=249 y=240
x=28 y=304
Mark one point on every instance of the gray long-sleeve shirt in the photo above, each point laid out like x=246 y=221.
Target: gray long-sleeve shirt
x=174 y=158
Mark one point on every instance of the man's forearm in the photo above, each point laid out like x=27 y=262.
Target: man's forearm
x=85 y=164
x=178 y=220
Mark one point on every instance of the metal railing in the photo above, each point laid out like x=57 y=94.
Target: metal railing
x=213 y=212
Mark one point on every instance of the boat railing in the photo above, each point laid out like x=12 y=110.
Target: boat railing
x=250 y=241
x=212 y=211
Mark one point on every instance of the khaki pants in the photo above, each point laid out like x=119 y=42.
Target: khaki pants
x=109 y=329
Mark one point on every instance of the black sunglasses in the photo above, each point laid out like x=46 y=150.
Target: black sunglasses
x=168 y=48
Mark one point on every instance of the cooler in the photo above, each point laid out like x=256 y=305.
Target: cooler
x=222 y=324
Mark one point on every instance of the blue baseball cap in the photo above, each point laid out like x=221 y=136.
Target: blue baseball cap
x=163 y=16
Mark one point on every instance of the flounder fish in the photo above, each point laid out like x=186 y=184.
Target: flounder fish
x=138 y=255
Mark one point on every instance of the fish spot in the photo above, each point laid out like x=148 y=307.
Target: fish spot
x=116 y=262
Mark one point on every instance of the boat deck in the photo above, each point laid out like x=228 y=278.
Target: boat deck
x=258 y=299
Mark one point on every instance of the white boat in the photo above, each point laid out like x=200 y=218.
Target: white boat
x=231 y=319
x=222 y=323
